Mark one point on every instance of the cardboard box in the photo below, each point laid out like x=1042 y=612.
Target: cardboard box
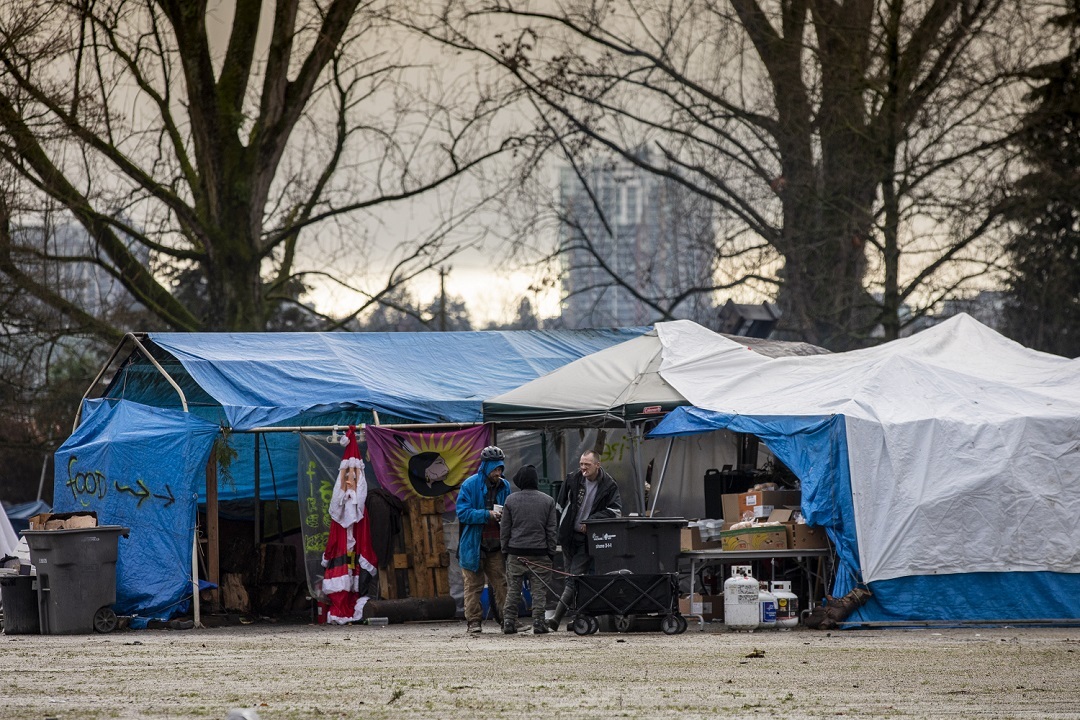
x=762 y=537
x=736 y=506
x=804 y=537
x=690 y=539
x=709 y=607
x=800 y=535
x=64 y=521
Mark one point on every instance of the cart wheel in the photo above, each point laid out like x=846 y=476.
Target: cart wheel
x=581 y=625
x=670 y=625
x=682 y=624
x=594 y=625
x=623 y=623
x=104 y=620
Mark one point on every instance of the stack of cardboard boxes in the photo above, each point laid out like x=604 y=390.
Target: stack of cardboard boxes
x=64 y=521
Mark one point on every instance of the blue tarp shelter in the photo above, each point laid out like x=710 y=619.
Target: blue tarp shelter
x=139 y=455
x=945 y=467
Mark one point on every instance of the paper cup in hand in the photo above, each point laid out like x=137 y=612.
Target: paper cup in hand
x=497 y=509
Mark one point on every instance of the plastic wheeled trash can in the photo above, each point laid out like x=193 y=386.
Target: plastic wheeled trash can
x=76 y=574
x=19 y=595
x=641 y=545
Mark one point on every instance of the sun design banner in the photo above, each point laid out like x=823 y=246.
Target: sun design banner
x=425 y=464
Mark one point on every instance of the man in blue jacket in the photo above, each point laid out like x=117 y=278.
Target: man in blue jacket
x=479 y=548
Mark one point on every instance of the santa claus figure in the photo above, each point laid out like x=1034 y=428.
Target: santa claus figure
x=349 y=561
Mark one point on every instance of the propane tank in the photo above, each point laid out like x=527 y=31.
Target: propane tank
x=741 y=611
x=766 y=607
x=787 y=604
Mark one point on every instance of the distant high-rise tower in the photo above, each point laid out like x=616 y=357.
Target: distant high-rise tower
x=660 y=244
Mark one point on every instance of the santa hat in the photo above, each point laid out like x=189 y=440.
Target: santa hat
x=351 y=459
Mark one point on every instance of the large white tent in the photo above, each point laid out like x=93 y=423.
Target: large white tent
x=945 y=466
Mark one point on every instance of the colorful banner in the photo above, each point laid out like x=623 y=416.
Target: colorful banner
x=317 y=472
x=425 y=464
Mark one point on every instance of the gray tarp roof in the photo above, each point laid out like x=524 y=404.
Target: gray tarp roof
x=611 y=387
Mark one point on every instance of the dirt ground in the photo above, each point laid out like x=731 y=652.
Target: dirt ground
x=435 y=670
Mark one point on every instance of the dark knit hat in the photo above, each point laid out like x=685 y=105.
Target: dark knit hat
x=526 y=478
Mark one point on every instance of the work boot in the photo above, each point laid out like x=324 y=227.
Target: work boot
x=509 y=627
x=540 y=626
x=474 y=627
x=560 y=610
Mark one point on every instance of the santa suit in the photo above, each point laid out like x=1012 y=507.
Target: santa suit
x=349 y=560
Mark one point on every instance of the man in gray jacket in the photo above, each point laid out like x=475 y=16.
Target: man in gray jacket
x=527 y=530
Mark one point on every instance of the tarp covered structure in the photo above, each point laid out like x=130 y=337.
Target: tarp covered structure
x=622 y=386
x=618 y=385
x=139 y=459
x=945 y=466
x=262 y=379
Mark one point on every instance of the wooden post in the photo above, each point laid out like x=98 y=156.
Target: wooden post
x=212 y=550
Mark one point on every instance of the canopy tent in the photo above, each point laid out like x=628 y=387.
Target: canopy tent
x=945 y=467
x=142 y=449
x=621 y=386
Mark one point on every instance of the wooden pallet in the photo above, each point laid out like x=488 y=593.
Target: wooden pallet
x=425 y=560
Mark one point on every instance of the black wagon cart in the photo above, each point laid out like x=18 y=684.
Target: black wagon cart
x=624 y=595
x=635 y=573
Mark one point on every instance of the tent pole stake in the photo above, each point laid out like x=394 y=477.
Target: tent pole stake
x=663 y=471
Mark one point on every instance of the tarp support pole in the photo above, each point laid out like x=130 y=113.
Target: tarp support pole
x=101 y=373
x=195 y=574
x=633 y=432
x=563 y=459
x=258 y=500
x=212 y=566
x=663 y=471
x=543 y=454
x=41 y=482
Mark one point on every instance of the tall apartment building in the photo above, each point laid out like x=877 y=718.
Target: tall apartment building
x=660 y=243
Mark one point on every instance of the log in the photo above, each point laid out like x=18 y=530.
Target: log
x=406 y=609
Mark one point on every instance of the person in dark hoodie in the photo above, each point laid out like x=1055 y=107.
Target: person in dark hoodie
x=588 y=494
x=527 y=530
x=479 y=504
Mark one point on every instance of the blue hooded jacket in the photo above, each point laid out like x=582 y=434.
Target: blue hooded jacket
x=472 y=512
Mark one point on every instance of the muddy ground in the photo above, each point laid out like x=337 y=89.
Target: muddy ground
x=437 y=671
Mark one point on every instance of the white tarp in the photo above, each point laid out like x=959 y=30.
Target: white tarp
x=8 y=539
x=963 y=446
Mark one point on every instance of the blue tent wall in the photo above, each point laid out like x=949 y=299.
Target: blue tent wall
x=815 y=449
x=139 y=467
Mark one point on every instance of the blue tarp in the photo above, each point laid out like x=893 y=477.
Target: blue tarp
x=140 y=467
x=20 y=514
x=262 y=379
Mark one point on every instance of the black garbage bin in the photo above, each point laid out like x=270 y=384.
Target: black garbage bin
x=76 y=574
x=19 y=596
x=639 y=544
